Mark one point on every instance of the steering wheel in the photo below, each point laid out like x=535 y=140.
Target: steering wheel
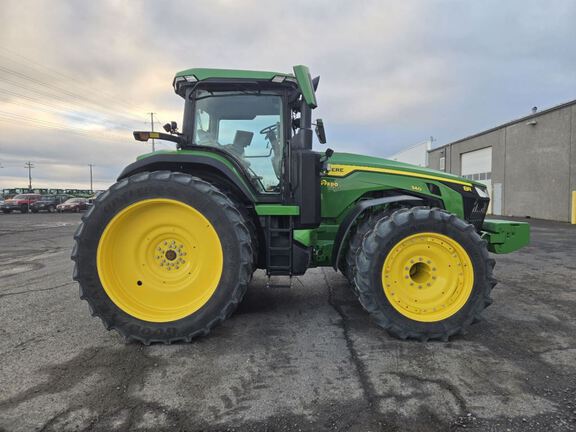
x=268 y=129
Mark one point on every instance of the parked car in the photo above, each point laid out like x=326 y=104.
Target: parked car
x=48 y=203
x=73 y=205
x=1 y=200
x=20 y=203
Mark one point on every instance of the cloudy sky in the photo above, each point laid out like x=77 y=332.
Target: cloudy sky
x=76 y=77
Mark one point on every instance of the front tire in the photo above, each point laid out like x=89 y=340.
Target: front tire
x=162 y=257
x=424 y=274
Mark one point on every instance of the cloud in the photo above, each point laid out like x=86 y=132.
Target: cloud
x=393 y=73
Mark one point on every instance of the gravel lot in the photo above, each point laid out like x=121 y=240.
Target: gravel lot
x=306 y=358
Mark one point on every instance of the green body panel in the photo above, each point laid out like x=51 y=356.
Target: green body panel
x=371 y=161
x=505 y=236
x=340 y=194
x=205 y=73
x=200 y=153
x=276 y=210
x=306 y=237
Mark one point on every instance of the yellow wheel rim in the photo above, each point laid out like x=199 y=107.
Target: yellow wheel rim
x=159 y=260
x=427 y=277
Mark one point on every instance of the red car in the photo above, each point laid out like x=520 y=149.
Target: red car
x=73 y=205
x=19 y=202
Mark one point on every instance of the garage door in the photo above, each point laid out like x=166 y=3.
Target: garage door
x=477 y=165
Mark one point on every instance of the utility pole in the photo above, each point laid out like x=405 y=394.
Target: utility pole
x=29 y=165
x=91 y=189
x=152 y=125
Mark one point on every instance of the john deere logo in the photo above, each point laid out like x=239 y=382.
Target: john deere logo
x=416 y=188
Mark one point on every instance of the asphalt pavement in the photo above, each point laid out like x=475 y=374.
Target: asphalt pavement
x=306 y=358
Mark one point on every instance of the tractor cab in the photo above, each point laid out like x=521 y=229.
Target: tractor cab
x=261 y=121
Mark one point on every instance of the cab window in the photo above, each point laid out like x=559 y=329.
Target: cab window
x=248 y=126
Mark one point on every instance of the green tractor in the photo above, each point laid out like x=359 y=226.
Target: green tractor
x=167 y=252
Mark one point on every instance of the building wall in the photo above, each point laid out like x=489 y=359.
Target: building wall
x=535 y=165
x=573 y=150
x=415 y=155
x=538 y=167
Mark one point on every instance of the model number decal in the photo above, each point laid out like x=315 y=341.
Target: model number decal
x=328 y=183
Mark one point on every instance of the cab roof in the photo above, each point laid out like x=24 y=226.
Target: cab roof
x=202 y=74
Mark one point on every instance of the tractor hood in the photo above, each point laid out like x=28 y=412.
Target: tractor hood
x=342 y=164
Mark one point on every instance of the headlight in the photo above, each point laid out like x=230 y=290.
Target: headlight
x=482 y=192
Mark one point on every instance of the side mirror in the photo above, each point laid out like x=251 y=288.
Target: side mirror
x=167 y=127
x=174 y=126
x=320 y=132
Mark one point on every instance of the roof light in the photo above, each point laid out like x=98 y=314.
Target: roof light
x=278 y=79
x=181 y=79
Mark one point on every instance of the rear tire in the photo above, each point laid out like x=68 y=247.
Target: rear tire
x=424 y=274
x=161 y=196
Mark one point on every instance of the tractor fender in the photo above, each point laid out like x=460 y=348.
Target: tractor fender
x=205 y=167
x=354 y=214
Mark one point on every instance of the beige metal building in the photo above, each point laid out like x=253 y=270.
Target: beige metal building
x=529 y=164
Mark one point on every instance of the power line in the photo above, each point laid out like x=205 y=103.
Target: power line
x=61 y=112
x=102 y=136
x=47 y=70
x=60 y=94
x=38 y=87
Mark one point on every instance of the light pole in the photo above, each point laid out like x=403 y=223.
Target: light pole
x=29 y=165
x=91 y=189
x=152 y=126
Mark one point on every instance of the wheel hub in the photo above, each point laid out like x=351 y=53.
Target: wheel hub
x=427 y=277
x=170 y=254
x=159 y=260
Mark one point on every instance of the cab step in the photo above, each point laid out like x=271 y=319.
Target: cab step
x=279 y=282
